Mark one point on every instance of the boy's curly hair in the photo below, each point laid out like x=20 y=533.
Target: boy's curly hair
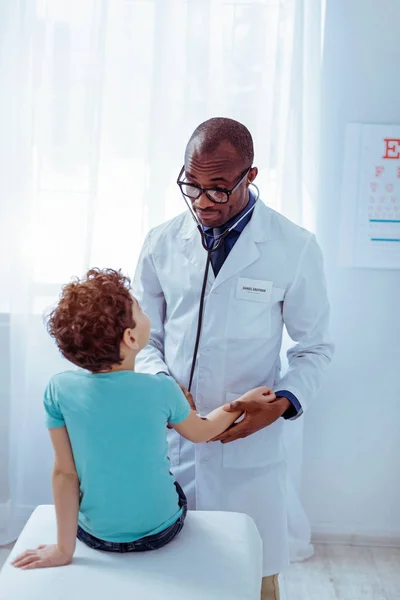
x=91 y=317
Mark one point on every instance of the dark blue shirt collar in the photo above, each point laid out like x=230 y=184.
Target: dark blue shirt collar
x=240 y=226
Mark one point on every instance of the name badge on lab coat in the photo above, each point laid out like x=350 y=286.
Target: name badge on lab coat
x=254 y=289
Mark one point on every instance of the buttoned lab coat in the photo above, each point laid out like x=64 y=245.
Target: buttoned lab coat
x=273 y=276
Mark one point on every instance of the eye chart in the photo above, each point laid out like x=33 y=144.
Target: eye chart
x=370 y=203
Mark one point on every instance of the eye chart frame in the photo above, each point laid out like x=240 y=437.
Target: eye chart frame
x=370 y=201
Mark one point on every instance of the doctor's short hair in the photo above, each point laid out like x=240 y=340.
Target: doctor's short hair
x=90 y=319
x=214 y=131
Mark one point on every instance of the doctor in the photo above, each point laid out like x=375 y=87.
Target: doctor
x=265 y=272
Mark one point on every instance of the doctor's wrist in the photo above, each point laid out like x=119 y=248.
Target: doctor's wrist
x=284 y=404
x=294 y=409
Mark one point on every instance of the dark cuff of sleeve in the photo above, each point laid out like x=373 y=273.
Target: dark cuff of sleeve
x=295 y=407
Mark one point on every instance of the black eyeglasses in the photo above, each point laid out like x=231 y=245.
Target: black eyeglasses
x=217 y=195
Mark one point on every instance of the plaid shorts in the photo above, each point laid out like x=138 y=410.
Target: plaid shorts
x=151 y=542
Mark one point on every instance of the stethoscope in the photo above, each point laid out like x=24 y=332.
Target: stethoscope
x=220 y=240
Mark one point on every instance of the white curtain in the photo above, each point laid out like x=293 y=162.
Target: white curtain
x=98 y=99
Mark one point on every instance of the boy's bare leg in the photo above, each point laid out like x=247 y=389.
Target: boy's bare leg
x=270 y=588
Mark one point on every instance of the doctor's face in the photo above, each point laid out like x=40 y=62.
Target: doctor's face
x=221 y=169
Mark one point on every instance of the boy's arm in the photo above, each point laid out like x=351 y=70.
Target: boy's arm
x=197 y=429
x=65 y=491
x=66 y=500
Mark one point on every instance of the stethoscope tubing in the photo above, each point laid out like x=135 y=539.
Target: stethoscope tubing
x=209 y=251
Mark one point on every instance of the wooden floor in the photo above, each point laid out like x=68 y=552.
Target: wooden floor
x=345 y=573
x=338 y=573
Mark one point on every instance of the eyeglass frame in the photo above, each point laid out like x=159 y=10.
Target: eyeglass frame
x=205 y=190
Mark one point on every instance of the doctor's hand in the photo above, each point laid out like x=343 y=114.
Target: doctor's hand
x=188 y=396
x=261 y=408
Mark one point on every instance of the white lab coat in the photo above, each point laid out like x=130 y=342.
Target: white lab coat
x=239 y=350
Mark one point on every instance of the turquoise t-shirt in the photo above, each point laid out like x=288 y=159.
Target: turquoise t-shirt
x=117 y=426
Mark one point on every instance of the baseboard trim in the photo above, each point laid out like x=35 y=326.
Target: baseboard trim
x=388 y=540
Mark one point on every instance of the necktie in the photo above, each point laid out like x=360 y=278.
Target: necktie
x=218 y=256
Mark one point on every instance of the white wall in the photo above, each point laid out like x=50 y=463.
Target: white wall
x=352 y=435
x=4 y=402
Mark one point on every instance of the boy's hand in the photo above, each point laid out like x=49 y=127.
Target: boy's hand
x=260 y=394
x=261 y=408
x=41 y=558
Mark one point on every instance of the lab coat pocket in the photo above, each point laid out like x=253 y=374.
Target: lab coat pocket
x=248 y=319
x=261 y=449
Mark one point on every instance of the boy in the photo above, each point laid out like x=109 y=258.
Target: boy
x=111 y=481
